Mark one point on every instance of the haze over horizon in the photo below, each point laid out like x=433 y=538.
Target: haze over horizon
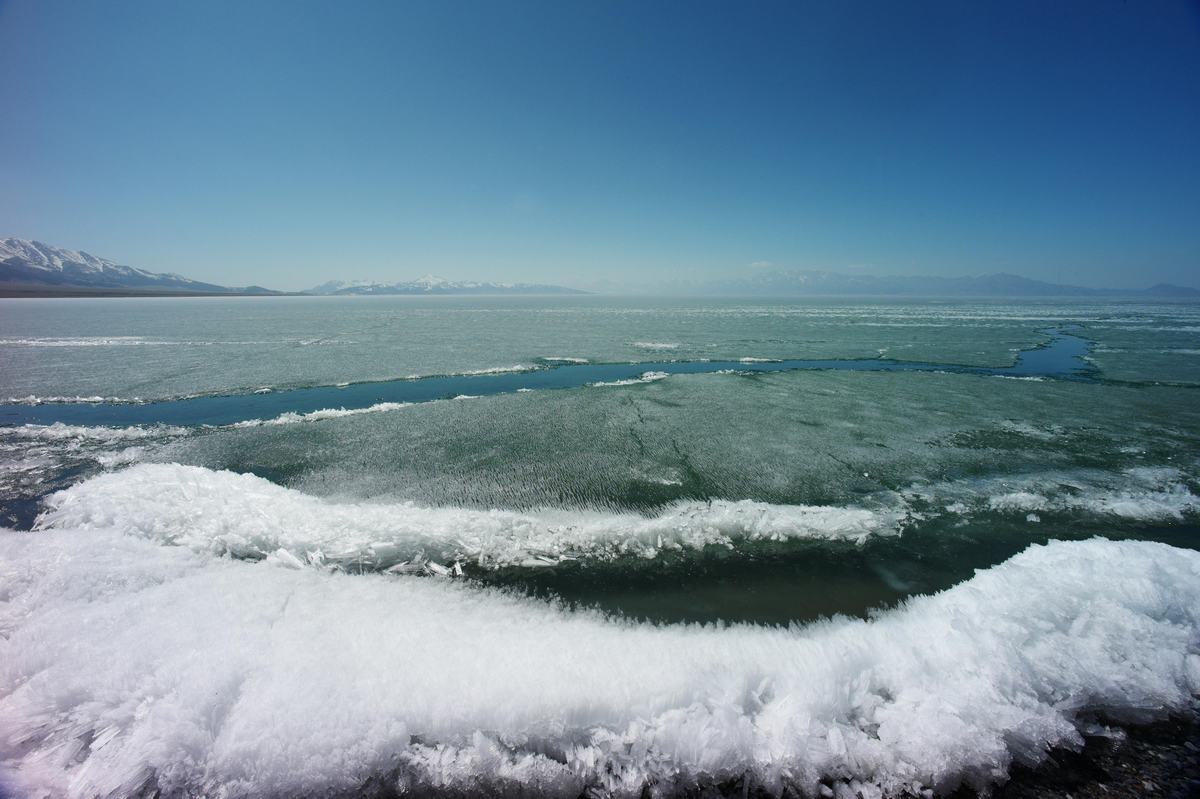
x=293 y=143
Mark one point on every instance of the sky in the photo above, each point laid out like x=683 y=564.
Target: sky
x=606 y=144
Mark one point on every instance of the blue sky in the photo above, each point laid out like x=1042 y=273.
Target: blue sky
x=288 y=143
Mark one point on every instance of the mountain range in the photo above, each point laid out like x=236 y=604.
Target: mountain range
x=431 y=284
x=32 y=268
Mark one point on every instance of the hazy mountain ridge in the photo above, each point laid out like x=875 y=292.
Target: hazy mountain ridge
x=35 y=264
x=432 y=284
x=800 y=282
x=37 y=267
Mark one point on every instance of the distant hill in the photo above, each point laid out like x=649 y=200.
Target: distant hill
x=790 y=282
x=31 y=267
x=1170 y=290
x=430 y=284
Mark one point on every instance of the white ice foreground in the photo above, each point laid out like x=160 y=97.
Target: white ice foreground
x=126 y=663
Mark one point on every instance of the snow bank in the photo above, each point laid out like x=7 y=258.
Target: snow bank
x=126 y=665
x=247 y=516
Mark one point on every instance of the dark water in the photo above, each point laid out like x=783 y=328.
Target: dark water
x=793 y=583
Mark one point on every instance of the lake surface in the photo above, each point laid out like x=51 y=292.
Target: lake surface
x=963 y=430
x=585 y=477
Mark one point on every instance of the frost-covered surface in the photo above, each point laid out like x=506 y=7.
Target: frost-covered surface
x=951 y=445
x=246 y=516
x=820 y=438
x=125 y=664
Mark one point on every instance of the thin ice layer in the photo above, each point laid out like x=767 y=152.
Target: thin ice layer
x=248 y=516
x=125 y=664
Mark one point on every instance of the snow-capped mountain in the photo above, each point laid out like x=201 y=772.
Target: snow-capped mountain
x=32 y=263
x=432 y=284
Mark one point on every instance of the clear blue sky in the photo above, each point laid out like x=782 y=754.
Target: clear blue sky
x=288 y=143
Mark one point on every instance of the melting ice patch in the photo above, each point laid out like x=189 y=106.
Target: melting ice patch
x=645 y=377
x=128 y=668
x=247 y=516
x=292 y=417
x=79 y=341
x=64 y=432
x=496 y=370
x=33 y=399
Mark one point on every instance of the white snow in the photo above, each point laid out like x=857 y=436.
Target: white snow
x=127 y=666
x=45 y=256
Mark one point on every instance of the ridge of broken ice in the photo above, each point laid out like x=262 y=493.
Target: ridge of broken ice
x=247 y=516
x=127 y=666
